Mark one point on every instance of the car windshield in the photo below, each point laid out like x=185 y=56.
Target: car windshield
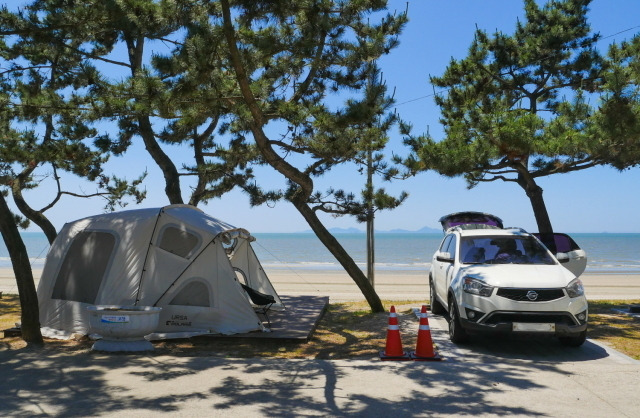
x=502 y=249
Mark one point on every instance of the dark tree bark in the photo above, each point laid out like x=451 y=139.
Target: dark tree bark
x=305 y=186
x=35 y=216
x=345 y=260
x=542 y=217
x=534 y=193
x=24 y=276
x=169 y=170
x=135 y=48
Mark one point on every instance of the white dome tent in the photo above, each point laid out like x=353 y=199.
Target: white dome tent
x=175 y=257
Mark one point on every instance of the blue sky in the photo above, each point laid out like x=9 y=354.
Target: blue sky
x=594 y=200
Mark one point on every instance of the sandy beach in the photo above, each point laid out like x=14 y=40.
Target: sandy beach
x=390 y=284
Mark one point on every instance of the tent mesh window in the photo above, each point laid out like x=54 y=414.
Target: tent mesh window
x=193 y=294
x=178 y=241
x=242 y=278
x=84 y=267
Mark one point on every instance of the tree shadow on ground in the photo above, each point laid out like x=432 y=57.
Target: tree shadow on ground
x=78 y=382
x=40 y=383
x=423 y=394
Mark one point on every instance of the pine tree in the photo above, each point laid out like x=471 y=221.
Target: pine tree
x=287 y=59
x=616 y=124
x=516 y=108
x=43 y=134
x=148 y=91
x=298 y=54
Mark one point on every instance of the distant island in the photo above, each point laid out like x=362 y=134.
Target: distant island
x=423 y=230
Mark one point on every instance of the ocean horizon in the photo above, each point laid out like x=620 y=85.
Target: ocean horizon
x=611 y=253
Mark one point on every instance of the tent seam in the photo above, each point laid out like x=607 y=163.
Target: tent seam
x=146 y=256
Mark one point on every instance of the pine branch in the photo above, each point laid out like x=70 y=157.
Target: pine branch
x=313 y=71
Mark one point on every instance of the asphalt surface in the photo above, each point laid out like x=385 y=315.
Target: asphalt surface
x=516 y=377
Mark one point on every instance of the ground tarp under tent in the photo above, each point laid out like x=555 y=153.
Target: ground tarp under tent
x=176 y=257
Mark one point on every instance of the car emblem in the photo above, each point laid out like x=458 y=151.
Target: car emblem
x=532 y=295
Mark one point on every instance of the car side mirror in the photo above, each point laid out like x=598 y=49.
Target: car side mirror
x=445 y=257
x=562 y=257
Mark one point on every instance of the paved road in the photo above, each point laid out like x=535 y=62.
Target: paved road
x=518 y=377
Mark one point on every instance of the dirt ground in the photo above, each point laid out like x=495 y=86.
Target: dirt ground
x=346 y=330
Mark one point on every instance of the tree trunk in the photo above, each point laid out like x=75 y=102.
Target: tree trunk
x=534 y=193
x=542 y=218
x=196 y=194
x=135 y=49
x=35 y=216
x=24 y=276
x=169 y=170
x=302 y=179
x=341 y=255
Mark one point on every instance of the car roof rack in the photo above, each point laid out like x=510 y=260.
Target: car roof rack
x=464 y=227
x=517 y=228
x=467 y=227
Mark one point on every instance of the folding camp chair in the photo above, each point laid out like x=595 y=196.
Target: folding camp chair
x=262 y=301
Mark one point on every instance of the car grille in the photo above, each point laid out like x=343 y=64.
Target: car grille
x=530 y=317
x=520 y=295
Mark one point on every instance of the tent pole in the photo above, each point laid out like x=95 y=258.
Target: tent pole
x=146 y=256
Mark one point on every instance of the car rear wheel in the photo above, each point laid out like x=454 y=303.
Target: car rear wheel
x=576 y=341
x=457 y=334
x=436 y=307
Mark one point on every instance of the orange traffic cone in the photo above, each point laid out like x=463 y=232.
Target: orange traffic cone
x=424 y=346
x=393 y=350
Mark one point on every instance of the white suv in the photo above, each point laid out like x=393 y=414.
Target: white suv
x=494 y=279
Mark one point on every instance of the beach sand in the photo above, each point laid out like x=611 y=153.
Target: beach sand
x=389 y=284
x=414 y=284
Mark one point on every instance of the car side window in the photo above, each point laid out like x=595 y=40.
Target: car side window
x=445 y=243
x=451 y=249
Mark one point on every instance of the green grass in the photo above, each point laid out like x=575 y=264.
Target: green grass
x=9 y=311
x=615 y=329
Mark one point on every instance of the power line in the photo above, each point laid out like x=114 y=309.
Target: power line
x=618 y=33
x=417 y=98
x=434 y=94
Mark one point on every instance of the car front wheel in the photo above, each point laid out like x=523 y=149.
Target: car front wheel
x=436 y=307
x=457 y=334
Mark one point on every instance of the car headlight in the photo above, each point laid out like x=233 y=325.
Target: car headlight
x=476 y=287
x=575 y=288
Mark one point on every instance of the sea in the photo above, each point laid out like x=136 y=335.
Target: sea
x=606 y=252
